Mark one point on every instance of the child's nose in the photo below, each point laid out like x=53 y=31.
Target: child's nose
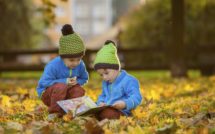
x=105 y=77
x=74 y=63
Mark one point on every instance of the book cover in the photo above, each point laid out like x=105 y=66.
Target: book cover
x=81 y=106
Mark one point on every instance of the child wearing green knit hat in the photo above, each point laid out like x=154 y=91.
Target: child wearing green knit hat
x=119 y=89
x=64 y=75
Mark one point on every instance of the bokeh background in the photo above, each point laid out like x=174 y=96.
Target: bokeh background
x=151 y=34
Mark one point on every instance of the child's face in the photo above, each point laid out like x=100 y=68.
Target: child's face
x=72 y=62
x=108 y=75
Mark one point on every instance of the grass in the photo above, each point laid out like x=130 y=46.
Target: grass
x=138 y=74
x=21 y=75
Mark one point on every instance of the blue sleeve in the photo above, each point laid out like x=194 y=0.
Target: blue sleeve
x=133 y=94
x=49 y=77
x=101 y=98
x=83 y=78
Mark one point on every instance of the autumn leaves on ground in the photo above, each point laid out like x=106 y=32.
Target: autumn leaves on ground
x=178 y=106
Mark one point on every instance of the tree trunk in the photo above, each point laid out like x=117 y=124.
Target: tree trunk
x=177 y=49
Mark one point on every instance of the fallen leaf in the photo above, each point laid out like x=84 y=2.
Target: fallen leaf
x=167 y=129
x=92 y=127
x=14 y=125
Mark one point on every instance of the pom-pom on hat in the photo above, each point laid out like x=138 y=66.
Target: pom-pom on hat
x=71 y=44
x=107 y=58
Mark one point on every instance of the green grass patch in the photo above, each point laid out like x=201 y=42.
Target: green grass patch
x=21 y=75
x=153 y=74
x=138 y=74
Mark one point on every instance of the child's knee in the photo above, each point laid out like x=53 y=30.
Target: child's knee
x=59 y=86
x=109 y=113
x=54 y=93
x=76 y=91
x=45 y=97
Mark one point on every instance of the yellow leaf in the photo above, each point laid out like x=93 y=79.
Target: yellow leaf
x=107 y=131
x=22 y=91
x=152 y=106
x=155 y=95
x=5 y=101
x=189 y=87
x=196 y=107
x=29 y=104
x=68 y=117
x=135 y=130
x=15 y=126
x=139 y=113
x=179 y=111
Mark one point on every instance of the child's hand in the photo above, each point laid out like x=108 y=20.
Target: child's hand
x=119 y=105
x=71 y=81
x=102 y=104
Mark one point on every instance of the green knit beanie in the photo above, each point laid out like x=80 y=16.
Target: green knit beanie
x=71 y=44
x=106 y=57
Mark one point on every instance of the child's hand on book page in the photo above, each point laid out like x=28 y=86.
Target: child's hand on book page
x=102 y=104
x=119 y=105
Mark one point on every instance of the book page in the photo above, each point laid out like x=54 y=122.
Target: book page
x=81 y=106
x=77 y=105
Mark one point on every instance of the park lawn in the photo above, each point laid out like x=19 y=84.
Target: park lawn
x=139 y=74
x=170 y=106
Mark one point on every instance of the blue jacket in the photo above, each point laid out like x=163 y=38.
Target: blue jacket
x=125 y=88
x=57 y=72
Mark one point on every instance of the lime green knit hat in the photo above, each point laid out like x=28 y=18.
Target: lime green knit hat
x=71 y=44
x=106 y=57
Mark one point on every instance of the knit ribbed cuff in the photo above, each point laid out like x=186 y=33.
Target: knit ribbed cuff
x=106 y=66
x=72 y=55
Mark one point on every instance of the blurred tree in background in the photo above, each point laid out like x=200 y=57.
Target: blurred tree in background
x=150 y=25
x=47 y=10
x=23 y=23
x=200 y=22
x=174 y=26
x=16 y=30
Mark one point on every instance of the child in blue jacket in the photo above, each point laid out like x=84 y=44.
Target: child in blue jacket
x=64 y=75
x=119 y=89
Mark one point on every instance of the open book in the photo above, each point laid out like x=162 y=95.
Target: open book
x=81 y=106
